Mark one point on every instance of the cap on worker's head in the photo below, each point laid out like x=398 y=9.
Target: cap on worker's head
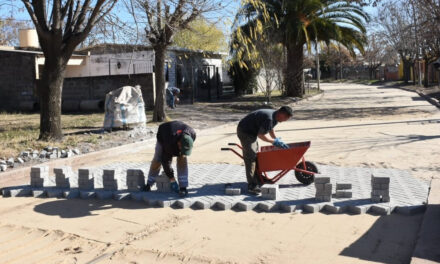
x=187 y=144
x=286 y=110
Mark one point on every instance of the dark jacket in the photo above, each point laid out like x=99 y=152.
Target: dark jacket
x=168 y=135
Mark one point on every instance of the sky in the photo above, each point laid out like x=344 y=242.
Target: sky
x=223 y=18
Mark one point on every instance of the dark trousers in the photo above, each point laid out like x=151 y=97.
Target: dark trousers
x=250 y=149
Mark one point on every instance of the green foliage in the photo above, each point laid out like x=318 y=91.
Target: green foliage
x=295 y=24
x=201 y=35
x=244 y=79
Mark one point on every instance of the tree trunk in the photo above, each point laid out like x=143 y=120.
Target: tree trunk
x=294 y=72
x=426 y=79
x=406 y=71
x=414 y=73
x=50 y=88
x=159 y=64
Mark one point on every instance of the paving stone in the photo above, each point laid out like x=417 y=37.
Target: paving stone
x=321 y=179
x=245 y=206
x=381 y=209
x=86 y=178
x=135 y=179
x=6 y=192
x=288 y=208
x=119 y=196
x=313 y=208
x=22 y=192
x=410 y=209
x=232 y=191
x=380 y=180
x=334 y=209
x=39 y=193
x=202 y=204
x=87 y=194
x=343 y=194
x=165 y=203
x=138 y=196
x=104 y=195
x=343 y=186
x=183 y=203
x=267 y=206
x=71 y=194
x=54 y=193
x=224 y=205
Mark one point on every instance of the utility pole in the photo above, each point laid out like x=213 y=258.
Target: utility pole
x=417 y=45
x=318 y=72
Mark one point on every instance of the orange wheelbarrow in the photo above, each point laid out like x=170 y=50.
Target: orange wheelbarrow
x=271 y=158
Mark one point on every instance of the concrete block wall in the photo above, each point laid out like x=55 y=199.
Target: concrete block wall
x=96 y=87
x=17 y=79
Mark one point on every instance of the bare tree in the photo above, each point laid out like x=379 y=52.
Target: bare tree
x=9 y=28
x=374 y=54
x=164 y=18
x=428 y=16
x=397 y=29
x=61 y=25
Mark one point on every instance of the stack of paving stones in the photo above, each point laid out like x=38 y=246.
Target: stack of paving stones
x=343 y=190
x=163 y=183
x=110 y=180
x=62 y=177
x=38 y=174
x=270 y=192
x=207 y=189
x=135 y=180
x=86 y=182
x=323 y=189
x=380 y=189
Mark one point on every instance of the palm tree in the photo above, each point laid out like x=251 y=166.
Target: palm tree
x=297 y=24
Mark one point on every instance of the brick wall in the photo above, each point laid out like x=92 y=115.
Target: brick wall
x=17 y=79
x=90 y=88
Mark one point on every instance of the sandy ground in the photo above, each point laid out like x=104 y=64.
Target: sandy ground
x=350 y=125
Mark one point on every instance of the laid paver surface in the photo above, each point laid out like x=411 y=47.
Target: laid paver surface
x=208 y=181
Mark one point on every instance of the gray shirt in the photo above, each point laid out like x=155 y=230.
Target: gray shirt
x=258 y=122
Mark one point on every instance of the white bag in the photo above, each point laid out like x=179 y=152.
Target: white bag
x=124 y=107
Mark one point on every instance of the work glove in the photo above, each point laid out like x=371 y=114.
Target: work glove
x=174 y=187
x=278 y=143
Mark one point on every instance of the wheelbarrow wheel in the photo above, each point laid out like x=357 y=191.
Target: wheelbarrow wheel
x=305 y=178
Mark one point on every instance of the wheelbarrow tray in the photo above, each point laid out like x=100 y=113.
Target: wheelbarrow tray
x=272 y=158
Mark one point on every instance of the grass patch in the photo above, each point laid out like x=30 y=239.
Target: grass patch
x=19 y=131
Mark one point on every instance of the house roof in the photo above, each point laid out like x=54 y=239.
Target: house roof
x=27 y=50
x=119 y=48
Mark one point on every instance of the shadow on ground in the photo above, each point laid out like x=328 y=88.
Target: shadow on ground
x=75 y=208
x=387 y=236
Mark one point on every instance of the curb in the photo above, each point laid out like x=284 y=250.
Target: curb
x=427 y=247
x=431 y=100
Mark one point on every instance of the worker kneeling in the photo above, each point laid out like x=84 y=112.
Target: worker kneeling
x=174 y=139
x=256 y=125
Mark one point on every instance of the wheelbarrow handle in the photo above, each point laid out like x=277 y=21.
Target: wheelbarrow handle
x=225 y=148
x=232 y=144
